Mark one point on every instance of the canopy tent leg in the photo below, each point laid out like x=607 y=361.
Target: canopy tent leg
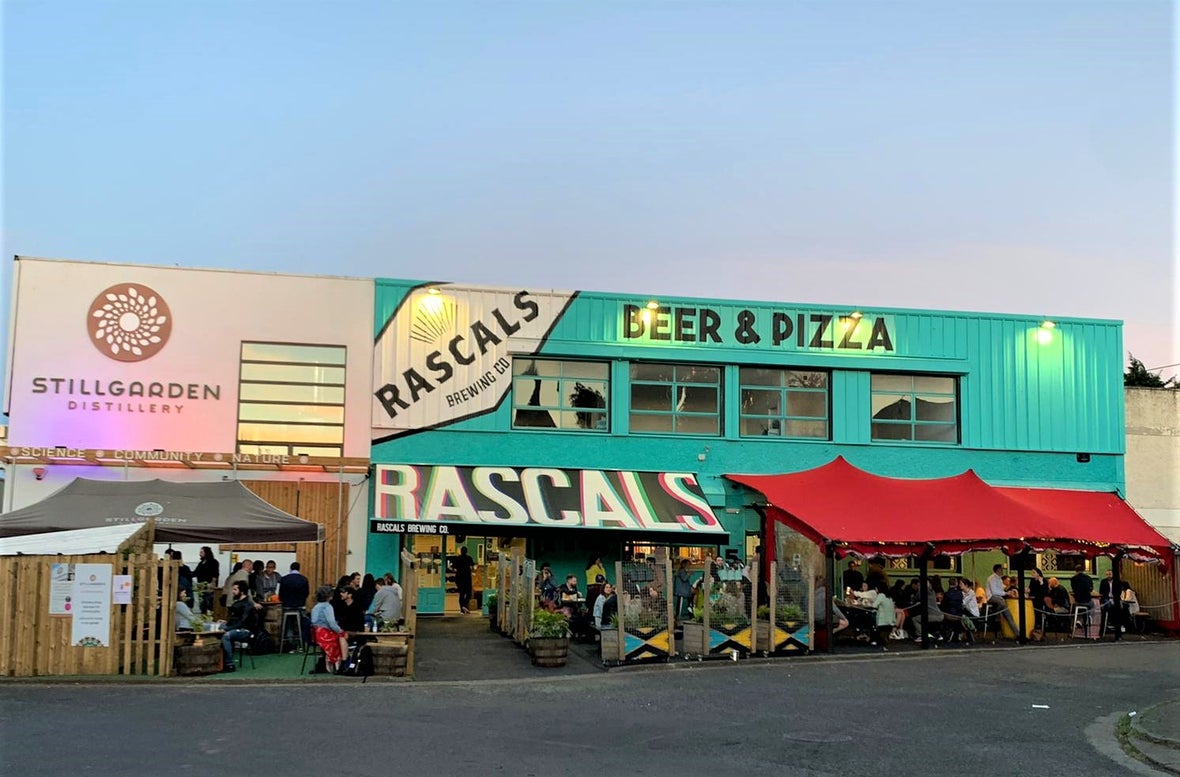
x=1021 y=561
x=828 y=594
x=924 y=597
x=1116 y=595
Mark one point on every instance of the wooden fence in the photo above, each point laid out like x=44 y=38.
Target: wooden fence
x=409 y=583
x=34 y=643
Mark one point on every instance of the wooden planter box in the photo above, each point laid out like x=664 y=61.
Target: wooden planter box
x=609 y=645
x=189 y=660
x=549 y=651
x=695 y=643
x=390 y=660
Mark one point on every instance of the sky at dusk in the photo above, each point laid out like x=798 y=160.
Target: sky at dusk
x=996 y=156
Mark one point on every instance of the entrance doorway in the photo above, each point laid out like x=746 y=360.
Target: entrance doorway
x=437 y=593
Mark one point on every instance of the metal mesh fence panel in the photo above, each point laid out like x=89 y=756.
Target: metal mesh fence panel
x=645 y=610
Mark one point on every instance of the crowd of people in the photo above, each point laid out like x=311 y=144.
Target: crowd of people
x=357 y=603
x=956 y=607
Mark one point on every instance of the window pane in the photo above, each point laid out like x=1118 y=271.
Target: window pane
x=584 y=394
x=651 y=423
x=293 y=373
x=316 y=450
x=760 y=427
x=591 y=370
x=696 y=399
x=883 y=431
x=258 y=432
x=536 y=392
x=816 y=429
x=571 y=419
x=534 y=419
x=891 y=407
x=761 y=402
x=278 y=393
x=644 y=397
x=281 y=352
x=935 y=408
x=936 y=432
x=304 y=413
x=807 y=379
x=893 y=382
x=661 y=373
x=698 y=373
x=807 y=403
x=759 y=376
x=935 y=384
x=693 y=424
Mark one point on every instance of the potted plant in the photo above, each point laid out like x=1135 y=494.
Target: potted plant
x=549 y=638
x=493 y=601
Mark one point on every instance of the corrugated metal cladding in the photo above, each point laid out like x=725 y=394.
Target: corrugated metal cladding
x=1026 y=406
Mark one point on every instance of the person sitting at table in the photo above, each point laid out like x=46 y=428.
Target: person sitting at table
x=184 y=614
x=821 y=601
x=1057 y=600
x=926 y=620
x=1082 y=586
x=953 y=608
x=605 y=606
x=325 y=630
x=568 y=594
x=346 y=607
x=240 y=625
x=387 y=603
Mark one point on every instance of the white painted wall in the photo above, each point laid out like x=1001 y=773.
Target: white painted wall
x=1153 y=457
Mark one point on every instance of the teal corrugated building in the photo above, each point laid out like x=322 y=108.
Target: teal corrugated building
x=495 y=385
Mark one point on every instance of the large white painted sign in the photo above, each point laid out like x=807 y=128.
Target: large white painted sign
x=122 y=357
x=445 y=353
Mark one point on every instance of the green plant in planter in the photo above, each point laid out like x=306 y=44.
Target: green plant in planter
x=549 y=625
x=764 y=612
x=789 y=614
x=493 y=600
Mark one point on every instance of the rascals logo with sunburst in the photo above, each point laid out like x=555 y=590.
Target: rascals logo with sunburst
x=129 y=322
x=445 y=353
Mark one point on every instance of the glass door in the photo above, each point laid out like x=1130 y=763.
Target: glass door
x=428 y=551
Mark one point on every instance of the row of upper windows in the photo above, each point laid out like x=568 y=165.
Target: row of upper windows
x=671 y=398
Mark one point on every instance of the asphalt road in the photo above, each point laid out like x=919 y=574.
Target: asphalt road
x=945 y=712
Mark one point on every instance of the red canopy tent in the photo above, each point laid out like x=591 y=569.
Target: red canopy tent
x=871 y=514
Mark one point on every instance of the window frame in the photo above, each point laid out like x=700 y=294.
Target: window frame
x=913 y=423
x=286 y=447
x=556 y=412
x=676 y=415
x=784 y=417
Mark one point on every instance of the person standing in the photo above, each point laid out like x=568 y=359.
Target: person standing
x=241 y=572
x=208 y=571
x=184 y=575
x=266 y=584
x=998 y=597
x=462 y=564
x=682 y=589
x=853 y=579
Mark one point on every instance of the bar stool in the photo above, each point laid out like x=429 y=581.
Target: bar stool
x=298 y=617
x=1081 y=620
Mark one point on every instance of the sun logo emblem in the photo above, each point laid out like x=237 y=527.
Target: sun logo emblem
x=129 y=323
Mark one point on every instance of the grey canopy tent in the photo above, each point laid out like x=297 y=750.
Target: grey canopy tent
x=216 y=512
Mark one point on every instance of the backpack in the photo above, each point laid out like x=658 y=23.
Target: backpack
x=262 y=643
x=359 y=663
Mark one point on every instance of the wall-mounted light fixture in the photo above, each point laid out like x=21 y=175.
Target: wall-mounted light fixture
x=1045 y=333
x=39 y=472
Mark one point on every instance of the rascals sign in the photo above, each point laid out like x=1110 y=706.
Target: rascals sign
x=795 y=330
x=409 y=499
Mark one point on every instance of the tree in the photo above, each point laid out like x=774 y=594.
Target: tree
x=1138 y=375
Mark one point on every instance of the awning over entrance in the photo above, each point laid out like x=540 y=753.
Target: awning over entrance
x=521 y=501
x=870 y=514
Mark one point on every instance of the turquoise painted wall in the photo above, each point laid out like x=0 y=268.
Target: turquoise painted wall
x=1026 y=408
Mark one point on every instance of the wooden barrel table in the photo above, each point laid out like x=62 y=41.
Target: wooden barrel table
x=272 y=621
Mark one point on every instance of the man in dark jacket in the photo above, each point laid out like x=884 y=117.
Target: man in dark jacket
x=240 y=626
x=1082 y=586
x=294 y=589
